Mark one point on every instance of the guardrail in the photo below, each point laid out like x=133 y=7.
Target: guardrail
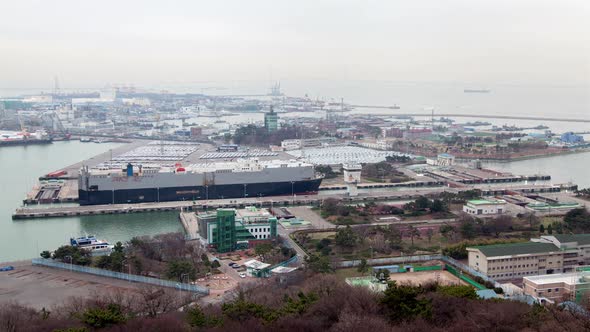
x=122 y=276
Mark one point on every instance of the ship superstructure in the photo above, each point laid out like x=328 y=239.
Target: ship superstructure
x=115 y=184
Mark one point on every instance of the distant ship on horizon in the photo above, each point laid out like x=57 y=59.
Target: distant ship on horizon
x=476 y=91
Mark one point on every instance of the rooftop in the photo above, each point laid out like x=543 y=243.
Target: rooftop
x=581 y=239
x=486 y=202
x=510 y=249
x=257 y=265
x=566 y=278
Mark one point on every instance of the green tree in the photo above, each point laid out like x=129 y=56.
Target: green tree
x=118 y=247
x=438 y=206
x=103 y=262
x=98 y=317
x=197 y=318
x=263 y=249
x=402 y=303
x=72 y=254
x=346 y=237
x=541 y=229
x=468 y=230
x=179 y=267
x=422 y=203
x=549 y=230
x=319 y=264
x=577 y=220
x=45 y=254
x=215 y=264
x=363 y=266
x=463 y=291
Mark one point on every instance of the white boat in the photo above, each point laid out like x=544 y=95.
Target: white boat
x=92 y=244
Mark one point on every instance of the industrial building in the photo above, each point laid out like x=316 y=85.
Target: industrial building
x=549 y=254
x=443 y=159
x=485 y=207
x=230 y=229
x=571 y=138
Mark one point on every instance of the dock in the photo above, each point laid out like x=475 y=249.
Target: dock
x=190 y=224
x=481 y=116
x=401 y=195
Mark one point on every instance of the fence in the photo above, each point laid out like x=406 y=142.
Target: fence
x=465 y=278
x=122 y=276
x=287 y=262
x=427 y=268
x=469 y=270
x=389 y=260
x=419 y=258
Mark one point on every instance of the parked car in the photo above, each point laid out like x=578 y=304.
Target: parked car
x=6 y=268
x=231 y=264
x=242 y=275
x=236 y=266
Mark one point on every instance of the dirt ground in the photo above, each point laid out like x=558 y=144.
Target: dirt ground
x=422 y=277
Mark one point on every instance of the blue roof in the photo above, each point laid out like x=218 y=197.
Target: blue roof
x=445 y=155
x=487 y=294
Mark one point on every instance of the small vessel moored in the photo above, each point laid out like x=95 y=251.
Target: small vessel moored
x=92 y=244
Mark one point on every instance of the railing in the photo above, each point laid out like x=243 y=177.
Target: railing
x=122 y=276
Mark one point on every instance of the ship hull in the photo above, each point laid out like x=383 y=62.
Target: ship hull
x=142 y=195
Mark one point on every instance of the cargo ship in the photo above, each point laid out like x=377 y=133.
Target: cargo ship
x=218 y=180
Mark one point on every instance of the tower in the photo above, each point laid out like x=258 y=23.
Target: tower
x=271 y=120
x=56 y=89
x=352 y=176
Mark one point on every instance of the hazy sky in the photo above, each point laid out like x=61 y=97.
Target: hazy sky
x=92 y=43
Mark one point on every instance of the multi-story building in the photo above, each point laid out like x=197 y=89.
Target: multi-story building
x=486 y=207
x=556 y=287
x=547 y=255
x=271 y=121
x=231 y=229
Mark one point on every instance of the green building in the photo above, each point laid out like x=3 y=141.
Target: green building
x=271 y=121
x=230 y=229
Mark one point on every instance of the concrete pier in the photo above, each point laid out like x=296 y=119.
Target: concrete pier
x=189 y=222
x=401 y=195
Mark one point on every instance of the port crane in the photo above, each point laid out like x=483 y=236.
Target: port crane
x=54 y=126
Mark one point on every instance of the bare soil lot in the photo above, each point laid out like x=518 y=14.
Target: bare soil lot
x=42 y=287
x=423 y=277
